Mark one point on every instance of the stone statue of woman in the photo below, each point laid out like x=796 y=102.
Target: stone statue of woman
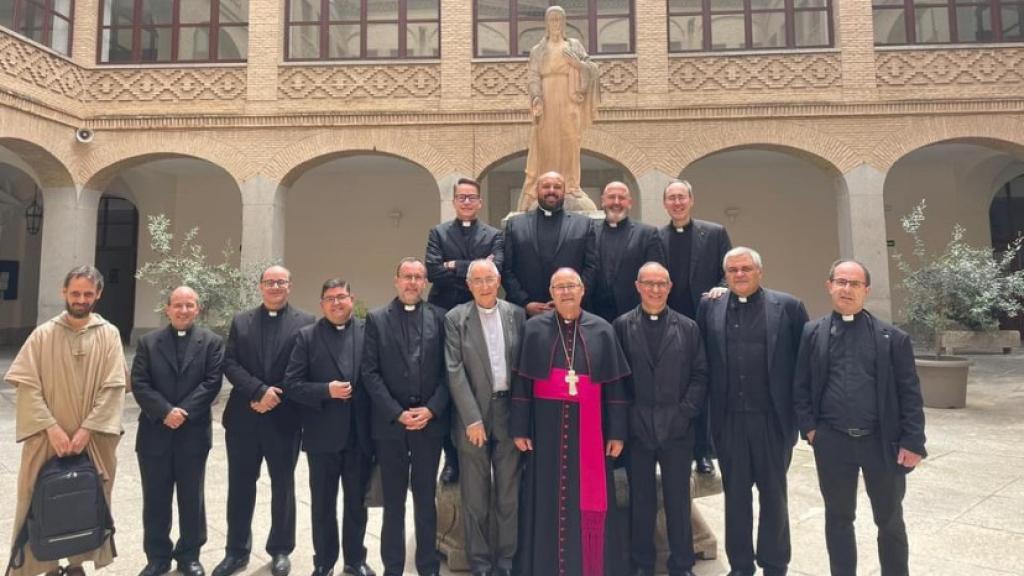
x=564 y=90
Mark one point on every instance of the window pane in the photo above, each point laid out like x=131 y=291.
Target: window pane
x=382 y=41
x=727 y=32
x=233 y=43
x=30 y=21
x=574 y=7
x=234 y=11
x=578 y=29
x=675 y=6
x=532 y=8
x=685 y=33
x=343 y=41
x=612 y=7
x=492 y=39
x=7 y=14
x=344 y=10
x=421 y=9
x=304 y=11
x=303 y=42
x=117 y=46
x=811 y=28
x=810 y=3
x=887 y=3
x=194 y=43
x=156 y=44
x=62 y=7
x=1013 y=23
x=381 y=10
x=488 y=9
x=421 y=40
x=118 y=12
x=932 y=25
x=726 y=5
x=61 y=35
x=156 y=12
x=613 y=35
x=890 y=27
x=529 y=34
x=768 y=29
x=194 y=12
x=767 y=4
x=974 y=24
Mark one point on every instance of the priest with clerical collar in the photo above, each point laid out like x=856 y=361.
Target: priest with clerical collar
x=569 y=416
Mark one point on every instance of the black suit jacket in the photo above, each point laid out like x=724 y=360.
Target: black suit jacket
x=524 y=278
x=243 y=365
x=328 y=424
x=159 y=385
x=900 y=413
x=667 y=386
x=784 y=317
x=386 y=367
x=448 y=288
x=643 y=245
x=708 y=248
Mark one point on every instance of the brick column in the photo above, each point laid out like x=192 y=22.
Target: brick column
x=445 y=188
x=652 y=184
x=262 y=221
x=862 y=234
x=85 y=33
x=854 y=32
x=266 y=48
x=652 y=50
x=69 y=240
x=456 y=53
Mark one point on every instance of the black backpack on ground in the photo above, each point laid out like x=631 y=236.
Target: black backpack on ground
x=68 y=514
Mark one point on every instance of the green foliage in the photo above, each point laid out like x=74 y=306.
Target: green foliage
x=960 y=287
x=224 y=288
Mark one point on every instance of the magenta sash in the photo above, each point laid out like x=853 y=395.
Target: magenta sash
x=593 y=488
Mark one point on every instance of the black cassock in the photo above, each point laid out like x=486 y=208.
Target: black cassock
x=550 y=526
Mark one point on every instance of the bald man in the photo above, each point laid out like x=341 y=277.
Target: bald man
x=176 y=375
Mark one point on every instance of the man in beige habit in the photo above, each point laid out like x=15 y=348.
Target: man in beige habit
x=70 y=376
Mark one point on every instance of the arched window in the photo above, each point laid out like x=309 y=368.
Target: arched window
x=144 y=31
x=47 y=22
x=505 y=28
x=362 y=29
x=704 y=25
x=948 y=21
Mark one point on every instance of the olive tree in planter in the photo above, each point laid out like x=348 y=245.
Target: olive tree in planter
x=224 y=289
x=961 y=288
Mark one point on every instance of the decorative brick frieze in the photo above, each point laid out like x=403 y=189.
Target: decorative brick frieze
x=997 y=67
x=164 y=84
x=755 y=72
x=359 y=81
x=495 y=79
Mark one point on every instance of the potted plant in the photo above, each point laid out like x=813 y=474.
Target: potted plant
x=961 y=288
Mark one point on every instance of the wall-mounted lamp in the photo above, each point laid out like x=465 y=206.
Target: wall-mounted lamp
x=34 y=215
x=732 y=213
x=396 y=217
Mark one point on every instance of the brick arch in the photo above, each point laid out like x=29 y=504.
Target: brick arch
x=500 y=145
x=828 y=153
x=47 y=169
x=303 y=154
x=998 y=132
x=117 y=154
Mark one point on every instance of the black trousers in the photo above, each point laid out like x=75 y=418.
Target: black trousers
x=161 y=474
x=416 y=455
x=752 y=451
x=352 y=468
x=674 y=459
x=839 y=458
x=246 y=451
x=703 y=445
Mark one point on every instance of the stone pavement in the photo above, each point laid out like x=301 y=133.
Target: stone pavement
x=964 y=506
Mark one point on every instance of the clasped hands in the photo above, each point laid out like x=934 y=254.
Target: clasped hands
x=271 y=398
x=612 y=448
x=415 y=418
x=175 y=418
x=65 y=446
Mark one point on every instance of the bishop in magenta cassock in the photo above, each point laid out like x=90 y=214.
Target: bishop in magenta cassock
x=569 y=418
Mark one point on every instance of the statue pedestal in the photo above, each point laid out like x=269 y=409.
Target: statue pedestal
x=451 y=539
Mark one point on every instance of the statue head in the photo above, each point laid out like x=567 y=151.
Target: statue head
x=554 y=23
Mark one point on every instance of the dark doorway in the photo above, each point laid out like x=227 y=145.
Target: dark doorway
x=117 y=233
x=1006 y=216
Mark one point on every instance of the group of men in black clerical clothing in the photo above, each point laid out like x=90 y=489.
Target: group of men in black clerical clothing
x=539 y=397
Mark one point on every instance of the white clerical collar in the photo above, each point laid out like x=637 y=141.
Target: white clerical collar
x=340 y=327
x=490 y=310
x=849 y=317
x=742 y=299
x=272 y=313
x=653 y=317
x=182 y=333
x=681 y=229
x=409 y=307
x=547 y=213
x=612 y=224
x=466 y=223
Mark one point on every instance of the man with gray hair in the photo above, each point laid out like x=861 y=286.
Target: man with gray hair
x=752 y=337
x=481 y=349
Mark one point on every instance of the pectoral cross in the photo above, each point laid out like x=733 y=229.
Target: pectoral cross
x=571 y=379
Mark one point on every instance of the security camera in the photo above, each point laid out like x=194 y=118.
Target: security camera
x=84 y=135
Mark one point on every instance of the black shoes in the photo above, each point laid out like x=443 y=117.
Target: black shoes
x=641 y=572
x=450 y=472
x=705 y=465
x=280 y=565
x=191 y=568
x=230 y=564
x=322 y=571
x=156 y=568
x=502 y=572
x=740 y=573
x=360 y=570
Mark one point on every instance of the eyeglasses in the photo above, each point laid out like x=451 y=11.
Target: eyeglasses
x=732 y=271
x=844 y=283
x=466 y=198
x=566 y=287
x=676 y=198
x=654 y=284
x=412 y=278
x=335 y=299
x=486 y=281
x=276 y=283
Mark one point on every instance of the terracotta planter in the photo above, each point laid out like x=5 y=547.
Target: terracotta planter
x=943 y=380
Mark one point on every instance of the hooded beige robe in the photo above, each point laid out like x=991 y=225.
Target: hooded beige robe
x=75 y=379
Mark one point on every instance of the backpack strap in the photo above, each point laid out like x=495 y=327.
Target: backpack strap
x=17 y=559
